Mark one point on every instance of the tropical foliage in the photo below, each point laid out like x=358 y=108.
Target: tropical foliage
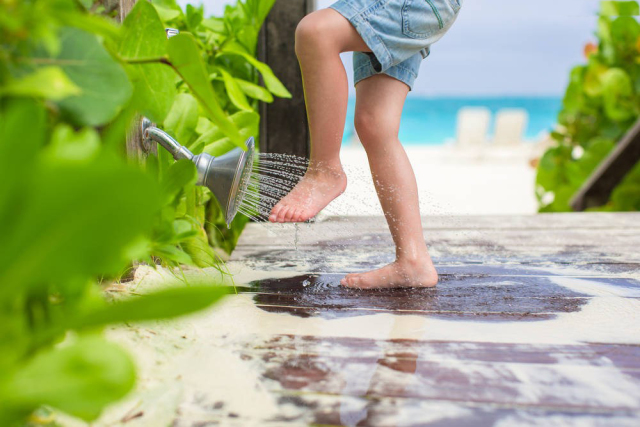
x=229 y=49
x=601 y=103
x=74 y=212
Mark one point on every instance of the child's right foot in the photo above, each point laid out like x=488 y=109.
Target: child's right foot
x=418 y=273
x=319 y=186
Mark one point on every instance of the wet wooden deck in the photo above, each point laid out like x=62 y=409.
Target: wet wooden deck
x=536 y=322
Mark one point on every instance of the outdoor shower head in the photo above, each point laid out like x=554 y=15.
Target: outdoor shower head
x=227 y=176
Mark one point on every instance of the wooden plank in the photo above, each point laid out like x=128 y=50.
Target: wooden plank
x=283 y=123
x=550 y=260
x=621 y=355
x=611 y=171
x=560 y=377
x=334 y=410
x=342 y=237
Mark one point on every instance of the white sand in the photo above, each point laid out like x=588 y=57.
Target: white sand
x=451 y=181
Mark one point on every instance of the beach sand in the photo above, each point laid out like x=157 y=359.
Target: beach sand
x=451 y=181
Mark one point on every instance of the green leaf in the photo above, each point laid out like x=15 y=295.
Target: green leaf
x=22 y=134
x=270 y=80
x=182 y=119
x=88 y=22
x=166 y=13
x=619 y=8
x=185 y=57
x=104 y=85
x=254 y=91
x=179 y=175
x=234 y=92
x=625 y=197
x=183 y=228
x=573 y=98
x=80 y=379
x=204 y=125
x=618 y=95
x=593 y=78
x=194 y=17
x=578 y=171
x=172 y=302
x=216 y=144
x=46 y=82
x=551 y=173
x=199 y=250
x=260 y=9
x=73 y=146
x=625 y=32
x=214 y=24
x=563 y=195
x=75 y=221
x=173 y=254
x=144 y=37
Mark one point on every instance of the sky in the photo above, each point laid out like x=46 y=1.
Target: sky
x=499 y=47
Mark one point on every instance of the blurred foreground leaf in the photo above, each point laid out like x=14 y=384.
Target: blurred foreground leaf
x=74 y=220
x=172 y=302
x=80 y=378
x=46 y=82
x=104 y=85
x=144 y=38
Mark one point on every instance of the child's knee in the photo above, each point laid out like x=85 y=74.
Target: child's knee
x=373 y=129
x=309 y=33
x=319 y=32
x=366 y=124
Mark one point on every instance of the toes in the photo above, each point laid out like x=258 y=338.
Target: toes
x=282 y=213
x=350 y=280
x=288 y=216
x=305 y=215
x=273 y=217
x=295 y=215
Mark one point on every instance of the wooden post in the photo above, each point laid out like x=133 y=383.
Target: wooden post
x=611 y=171
x=136 y=150
x=283 y=123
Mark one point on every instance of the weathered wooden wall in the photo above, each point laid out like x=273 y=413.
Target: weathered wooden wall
x=283 y=127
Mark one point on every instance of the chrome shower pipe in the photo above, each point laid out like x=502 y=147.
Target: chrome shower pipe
x=163 y=138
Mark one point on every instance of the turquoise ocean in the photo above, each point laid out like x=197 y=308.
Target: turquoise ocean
x=432 y=121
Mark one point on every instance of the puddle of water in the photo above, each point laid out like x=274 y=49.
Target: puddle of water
x=463 y=297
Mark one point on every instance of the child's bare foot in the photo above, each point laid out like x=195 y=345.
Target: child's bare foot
x=319 y=186
x=398 y=274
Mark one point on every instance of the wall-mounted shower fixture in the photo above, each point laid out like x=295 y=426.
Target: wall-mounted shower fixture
x=227 y=176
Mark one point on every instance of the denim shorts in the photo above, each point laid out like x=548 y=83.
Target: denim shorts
x=398 y=32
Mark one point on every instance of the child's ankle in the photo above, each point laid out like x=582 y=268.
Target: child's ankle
x=331 y=169
x=416 y=259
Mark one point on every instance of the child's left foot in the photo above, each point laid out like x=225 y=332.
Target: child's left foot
x=398 y=274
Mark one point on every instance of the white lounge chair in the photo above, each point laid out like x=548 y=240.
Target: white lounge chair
x=472 y=126
x=511 y=124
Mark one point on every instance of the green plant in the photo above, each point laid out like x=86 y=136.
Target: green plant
x=73 y=211
x=229 y=46
x=601 y=103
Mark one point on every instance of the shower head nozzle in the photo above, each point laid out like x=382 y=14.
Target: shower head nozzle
x=227 y=176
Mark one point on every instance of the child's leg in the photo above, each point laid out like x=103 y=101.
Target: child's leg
x=320 y=38
x=379 y=102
